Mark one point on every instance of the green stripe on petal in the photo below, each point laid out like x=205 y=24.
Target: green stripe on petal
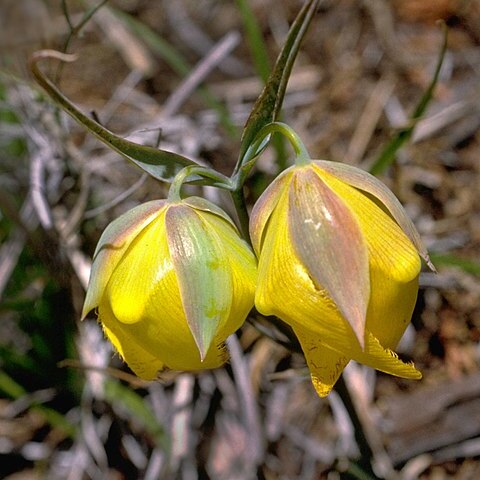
x=112 y=246
x=199 y=203
x=365 y=181
x=329 y=242
x=394 y=264
x=203 y=273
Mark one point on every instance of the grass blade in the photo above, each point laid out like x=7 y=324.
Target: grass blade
x=255 y=40
x=387 y=156
x=269 y=103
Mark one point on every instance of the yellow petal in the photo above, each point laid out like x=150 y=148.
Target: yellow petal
x=145 y=298
x=325 y=364
x=286 y=290
x=163 y=335
x=264 y=207
x=330 y=244
x=142 y=363
x=394 y=265
x=145 y=271
x=113 y=244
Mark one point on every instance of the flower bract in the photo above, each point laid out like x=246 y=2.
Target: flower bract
x=171 y=281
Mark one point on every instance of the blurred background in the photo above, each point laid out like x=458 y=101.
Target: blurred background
x=184 y=75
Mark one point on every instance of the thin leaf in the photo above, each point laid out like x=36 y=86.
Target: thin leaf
x=269 y=103
x=261 y=61
x=387 y=156
x=451 y=260
x=254 y=39
x=160 y=164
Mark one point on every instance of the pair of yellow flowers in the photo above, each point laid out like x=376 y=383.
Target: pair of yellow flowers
x=336 y=258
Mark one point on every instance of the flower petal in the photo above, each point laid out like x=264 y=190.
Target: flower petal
x=243 y=268
x=394 y=265
x=325 y=364
x=140 y=361
x=365 y=181
x=329 y=242
x=264 y=206
x=203 y=273
x=286 y=289
x=199 y=203
x=144 y=272
x=145 y=305
x=386 y=360
x=113 y=244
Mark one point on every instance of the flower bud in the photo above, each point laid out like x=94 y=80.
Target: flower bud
x=339 y=262
x=171 y=281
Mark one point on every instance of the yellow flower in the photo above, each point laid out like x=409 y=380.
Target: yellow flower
x=171 y=281
x=339 y=262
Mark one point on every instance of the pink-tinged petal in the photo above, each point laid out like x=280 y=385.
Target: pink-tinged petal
x=368 y=183
x=394 y=263
x=199 y=203
x=264 y=206
x=330 y=243
x=113 y=244
x=325 y=365
x=203 y=274
x=144 y=299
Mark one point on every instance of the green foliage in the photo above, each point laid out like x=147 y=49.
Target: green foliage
x=452 y=260
x=268 y=105
x=388 y=154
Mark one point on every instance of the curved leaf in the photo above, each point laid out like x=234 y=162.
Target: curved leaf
x=160 y=164
x=269 y=103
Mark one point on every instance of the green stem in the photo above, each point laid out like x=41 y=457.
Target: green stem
x=242 y=212
x=302 y=157
x=219 y=180
x=366 y=452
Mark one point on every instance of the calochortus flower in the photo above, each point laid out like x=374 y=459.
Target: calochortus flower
x=171 y=280
x=339 y=261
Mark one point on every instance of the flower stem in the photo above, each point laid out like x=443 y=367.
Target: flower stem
x=242 y=213
x=302 y=157
x=215 y=179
